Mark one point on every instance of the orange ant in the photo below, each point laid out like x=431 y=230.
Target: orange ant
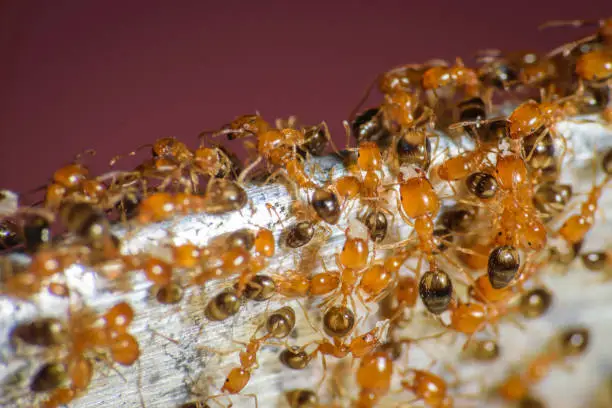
x=351 y=261
x=418 y=205
x=577 y=226
x=516 y=223
x=88 y=333
x=519 y=68
x=67 y=179
x=170 y=158
x=570 y=343
x=224 y=196
x=279 y=147
x=455 y=76
x=238 y=377
x=404 y=79
x=462 y=165
x=373 y=377
x=535 y=121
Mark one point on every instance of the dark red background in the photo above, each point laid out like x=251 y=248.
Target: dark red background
x=111 y=75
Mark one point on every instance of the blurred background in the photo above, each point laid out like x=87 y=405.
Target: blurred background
x=112 y=75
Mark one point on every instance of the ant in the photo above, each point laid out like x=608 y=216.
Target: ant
x=279 y=324
x=524 y=68
x=351 y=262
x=576 y=226
x=279 y=147
x=571 y=342
x=373 y=377
x=595 y=68
x=404 y=79
x=533 y=121
x=419 y=205
x=224 y=196
x=84 y=337
x=171 y=157
x=456 y=76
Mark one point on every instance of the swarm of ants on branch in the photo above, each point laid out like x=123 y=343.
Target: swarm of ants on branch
x=486 y=215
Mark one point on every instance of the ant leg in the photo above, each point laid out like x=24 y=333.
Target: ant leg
x=139 y=384
x=363 y=99
x=567 y=23
x=469 y=278
x=324 y=364
x=251 y=396
x=271 y=209
x=328 y=136
x=566 y=49
x=292 y=184
x=248 y=169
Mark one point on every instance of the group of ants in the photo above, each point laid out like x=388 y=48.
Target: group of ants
x=482 y=219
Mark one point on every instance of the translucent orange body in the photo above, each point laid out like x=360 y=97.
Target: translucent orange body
x=418 y=197
x=534 y=235
x=424 y=228
x=484 y=292
x=59 y=397
x=80 y=371
x=208 y=160
x=426 y=386
x=375 y=280
x=537 y=71
x=461 y=166
x=185 y=203
x=336 y=349
x=264 y=243
x=236 y=380
x=349 y=278
x=250 y=124
x=374 y=373
x=575 y=228
x=70 y=176
x=369 y=185
x=393 y=263
x=511 y=172
x=354 y=254
x=93 y=189
x=186 y=255
x=479 y=259
x=324 y=283
x=399 y=108
x=119 y=317
x=436 y=77
x=171 y=147
x=158 y=271
x=364 y=344
x=297 y=173
x=235 y=260
x=525 y=120
x=47 y=263
x=59 y=289
x=513 y=388
x=292 y=285
x=468 y=318
x=407 y=291
x=595 y=66
x=366 y=399
x=369 y=157
x=54 y=195
x=348 y=187
x=124 y=349
x=156 y=207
